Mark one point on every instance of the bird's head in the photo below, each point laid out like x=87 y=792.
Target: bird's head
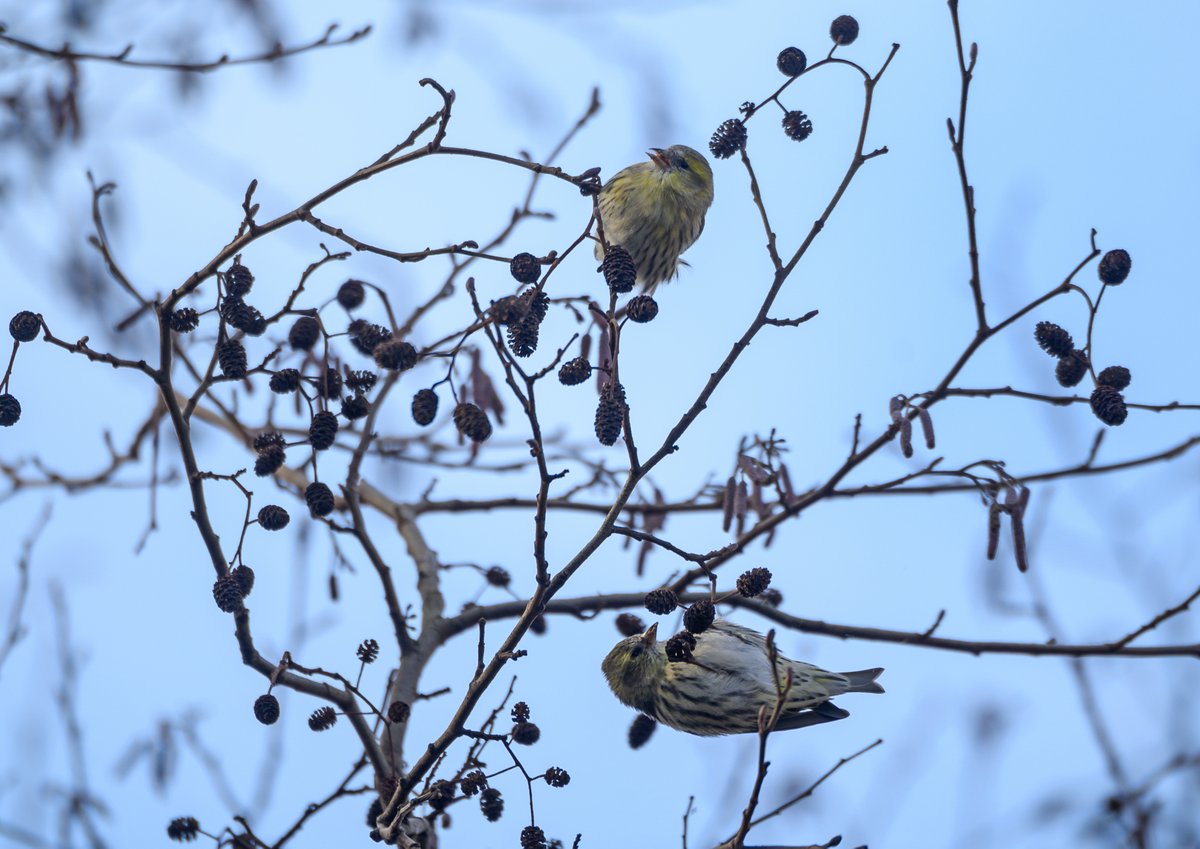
x=685 y=169
x=633 y=666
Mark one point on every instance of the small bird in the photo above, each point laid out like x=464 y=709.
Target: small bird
x=727 y=680
x=655 y=210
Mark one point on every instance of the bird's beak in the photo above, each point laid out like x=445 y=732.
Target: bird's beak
x=659 y=157
x=651 y=635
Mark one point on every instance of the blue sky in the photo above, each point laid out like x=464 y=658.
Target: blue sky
x=1077 y=121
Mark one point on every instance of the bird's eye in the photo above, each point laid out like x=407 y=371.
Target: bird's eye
x=636 y=651
x=680 y=162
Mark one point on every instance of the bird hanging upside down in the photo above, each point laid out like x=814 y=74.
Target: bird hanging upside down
x=728 y=678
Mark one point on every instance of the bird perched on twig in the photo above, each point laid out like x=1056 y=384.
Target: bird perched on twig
x=655 y=210
x=724 y=683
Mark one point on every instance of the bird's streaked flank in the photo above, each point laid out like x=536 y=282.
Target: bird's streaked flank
x=728 y=678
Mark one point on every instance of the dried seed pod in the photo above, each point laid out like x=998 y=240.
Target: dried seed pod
x=367 y=651
x=754 y=581
x=728 y=138
x=679 y=648
x=238 y=280
x=269 y=460
x=1071 y=368
x=797 y=126
x=619 y=270
x=661 y=601
x=525 y=268
x=573 y=372
x=1114 y=267
x=322 y=719
x=699 y=616
x=642 y=309
x=1053 y=339
x=557 y=777
x=10 y=410
x=791 y=61
x=491 y=803
x=366 y=337
x=355 y=407
x=183 y=829
x=351 y=294
x=610 y=413
x=227 y=593
x=285 y=381
x=424 y=407
x=1117 y=377
x=526 y=733
x=304 y=333
x=319 y=499
x=497 y=576
x=395 y=355
x=266 y=709
x=183 y=320
x=272 y=517
x=231 y=356
x=322 y=431
x=472 y=422
x=1109 y=405
x=843 y=30
x=244 y=576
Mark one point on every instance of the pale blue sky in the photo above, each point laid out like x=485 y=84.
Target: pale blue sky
x=1078 y=120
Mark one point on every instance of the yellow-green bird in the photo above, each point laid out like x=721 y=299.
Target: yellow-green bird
x=728 y=677
x=655 y=210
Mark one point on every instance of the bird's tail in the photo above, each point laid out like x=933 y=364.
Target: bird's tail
x=863 y=681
